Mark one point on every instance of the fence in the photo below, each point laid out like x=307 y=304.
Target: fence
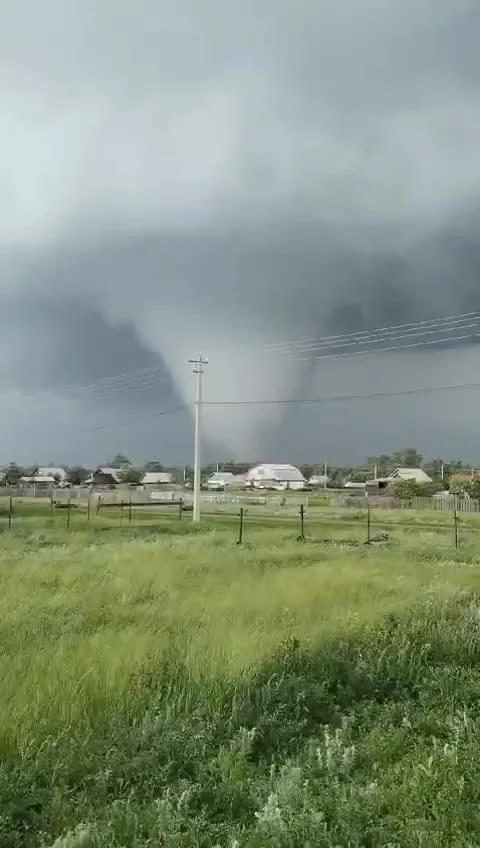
x=372 y=524
x=373 y=529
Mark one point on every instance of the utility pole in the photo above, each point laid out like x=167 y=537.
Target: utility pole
x=325 y=472
x=198 y=365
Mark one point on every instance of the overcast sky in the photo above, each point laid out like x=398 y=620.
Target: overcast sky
x=218 y=176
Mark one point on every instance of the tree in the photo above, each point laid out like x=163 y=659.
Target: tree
x=131 y=475
x=408 y=458
x=473 y=489
x=120 y=461
x=358 y=477
x=154 y=466
x=405 y=489
x=383 y=464
x=77 y=475
x=13 y=474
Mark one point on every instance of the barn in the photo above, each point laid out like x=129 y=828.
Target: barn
x=276 y=477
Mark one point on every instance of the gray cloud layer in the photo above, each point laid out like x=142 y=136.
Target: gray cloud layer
x=219 y=176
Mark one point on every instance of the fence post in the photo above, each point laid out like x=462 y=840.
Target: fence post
x=51 y=507
x=99 y=500
x=180 y=509
x=89 y=509
x=240 y=529
x=10 y=512
x=455 y=525
x=130 y=510
x=302 y=523
x=69 y=507
x=121 y=513
x=369 y=524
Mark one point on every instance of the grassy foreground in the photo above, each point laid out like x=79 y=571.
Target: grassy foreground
x=177 y=690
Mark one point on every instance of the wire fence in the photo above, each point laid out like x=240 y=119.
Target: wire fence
x=368 y=525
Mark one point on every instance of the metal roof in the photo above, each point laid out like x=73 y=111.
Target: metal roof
x=279 y=473
x=51 y=472
x=155 y=477
x=417 y=474
x=110 y=472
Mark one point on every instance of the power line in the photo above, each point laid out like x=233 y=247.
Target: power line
x=146 y=377
x=338 y=338
x=148 y=382
x=444 y=340
x=340 y=398
x=143 y=418
x=372 y=339
x=119 y=380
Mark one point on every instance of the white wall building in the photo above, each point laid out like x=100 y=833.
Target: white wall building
x=157 y=478
x=218 y=480
x=416 y=474
x=277 y=477
x=50 y=471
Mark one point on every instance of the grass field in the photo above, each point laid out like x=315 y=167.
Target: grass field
x=165 y=687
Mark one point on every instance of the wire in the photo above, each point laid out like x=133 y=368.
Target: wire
x=455 y=327
x=393 y=328
x=145 y=378
x=128 y=422
x=342 y=398
x=445 y=340
x=146 y=382
x=119 y=380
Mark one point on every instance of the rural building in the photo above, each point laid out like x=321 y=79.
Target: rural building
x=157 y=478
x=462 y=477
x=418 y=475
x=104 y=476
x=238 y=468
x=59 y=474
x=276 y=477
x=383 y=484
x=319 y=480
x=39 y=482
x=218 y=480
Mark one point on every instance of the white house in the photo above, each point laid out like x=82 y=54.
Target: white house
x=41 y=482
x=416 y=474
x=157 y=478
x=277 y=477
x=319 y=480
x=59 y=473
x=218 y=480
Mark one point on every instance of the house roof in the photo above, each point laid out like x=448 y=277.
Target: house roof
x=42 y=478
x=280 y=473
x=108 y=472
x=464 y=477
x=417 y=474
x=152 y=478
x=221 y=477
x=317 y=479
x=51 y=472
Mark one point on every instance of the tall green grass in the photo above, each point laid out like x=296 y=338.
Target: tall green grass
x=180 y=690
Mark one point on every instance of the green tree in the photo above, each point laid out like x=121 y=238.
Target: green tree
x=154 y=466
x=406 y=489
x=384 y=464
x=13 y=474
x=120 y=461
x=473 y=489
x=77 y=475
x=407 y=458
x=131 y=475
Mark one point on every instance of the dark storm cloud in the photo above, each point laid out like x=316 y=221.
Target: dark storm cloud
x=225 y=176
